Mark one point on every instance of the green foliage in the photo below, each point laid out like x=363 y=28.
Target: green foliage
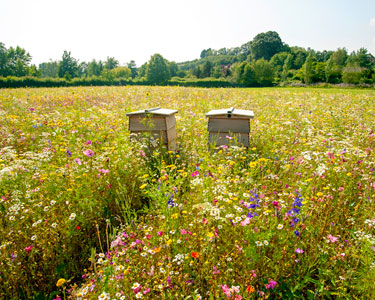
x=352 y=74
x=111 y=63
x=340 y=56
x=157 y=71
x=308 y=69
x=49 y=69
x=68 y=66
x=263 y=72
x=121 y=72
x=14 y=61
x=265 y=45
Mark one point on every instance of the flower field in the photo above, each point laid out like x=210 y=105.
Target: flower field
x=86 y=212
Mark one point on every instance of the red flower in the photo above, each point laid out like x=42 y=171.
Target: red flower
x=194 y=254
x=78 y=227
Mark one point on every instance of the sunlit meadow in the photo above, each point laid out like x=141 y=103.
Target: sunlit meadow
x=86 y=212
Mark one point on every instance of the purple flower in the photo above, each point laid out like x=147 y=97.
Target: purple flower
x=299 y=251
x=296 y=233
x=271 y=284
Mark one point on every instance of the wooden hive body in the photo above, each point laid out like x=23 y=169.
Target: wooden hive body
x=157 y=123
x=228 y=125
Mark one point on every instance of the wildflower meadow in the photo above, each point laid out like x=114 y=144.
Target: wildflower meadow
x=87 y=212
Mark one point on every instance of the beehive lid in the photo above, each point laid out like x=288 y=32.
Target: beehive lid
x=154 y=111
x=231 y=112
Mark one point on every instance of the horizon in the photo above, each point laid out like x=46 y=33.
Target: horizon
x=129 y=31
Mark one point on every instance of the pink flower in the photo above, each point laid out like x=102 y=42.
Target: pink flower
x=103 y=171
x=226 y=290
x=215 y=271
x=143 y=154
x=298 y=250
x=183 y=231
x=28 y=249
x=271 y=284
x=160 y=233
x=88 y=153
x=78 y=161
x=276 y=204
x=332 y=238
x=88 y=142
x=194 y=173
x=245 y=222
x=238 y=297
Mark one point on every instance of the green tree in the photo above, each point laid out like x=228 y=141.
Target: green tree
x=173 y=68
x=133 y=68
x=18 y=62
x=111 y=63
x=340 y=56
x=265 y=45
x=95 y=68
x=263 y=72
x=286 y=67
x=157 y=70
x=352 y=74
x=68 y=66
x=329 y=69
x=3 y=60
x=308 y=69
x=207 y=69
x=121 y=72
x=49 y=69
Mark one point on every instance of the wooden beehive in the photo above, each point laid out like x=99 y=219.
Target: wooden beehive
x=158 y=123
x=225 y=126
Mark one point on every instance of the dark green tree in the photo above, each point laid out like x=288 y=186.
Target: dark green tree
x=157 y=70
x=111 y=63
x=133 y=68
x=207 y=69
x=173 y=68
x=3 y=60
x=68 y=66
x=265 y=45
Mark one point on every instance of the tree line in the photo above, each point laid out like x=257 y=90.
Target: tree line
x=264 y=61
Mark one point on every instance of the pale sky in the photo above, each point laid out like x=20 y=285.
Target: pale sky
x=178 y=29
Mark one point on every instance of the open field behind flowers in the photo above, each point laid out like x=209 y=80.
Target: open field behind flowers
x=87 y=214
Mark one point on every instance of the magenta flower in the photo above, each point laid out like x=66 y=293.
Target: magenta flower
x=78 y=161
x=298 y=250
x=88 y=142
x=104 y=171
x=271 y=284
x=183 y=231
x=28 y=249
x=196 y=173
x=88 y=153
x=160 y=233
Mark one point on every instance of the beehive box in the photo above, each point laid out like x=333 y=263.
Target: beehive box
x=228 y=125
x=158 y=123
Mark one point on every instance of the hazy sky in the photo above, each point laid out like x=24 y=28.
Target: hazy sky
x=179 y=29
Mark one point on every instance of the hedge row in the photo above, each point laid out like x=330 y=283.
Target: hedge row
x=18 y=82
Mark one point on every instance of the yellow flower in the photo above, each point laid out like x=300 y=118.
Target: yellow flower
x=143 y=186
x=60 y=282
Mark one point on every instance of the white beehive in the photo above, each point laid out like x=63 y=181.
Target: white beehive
x=226 y=125
x=158 y=122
